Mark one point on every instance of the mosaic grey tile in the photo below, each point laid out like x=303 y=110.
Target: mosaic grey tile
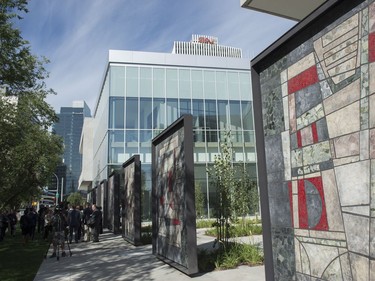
x=364 y=113
x=316 y=153
x=372 y=107
x=365 y=80
x=273 y=112
x=307 y=98
x=360 y=267
x=300 y=52
x=322 y=130
x=314 y=204
x=320 y=257
x=345 y=267
x=325 y=88
x=357 y=229
x=274 y=154
x=293 y=141
x=303 y=277
x=280 y=212
x=333 y=271
x=284 y=259
x=276 y=177
x=372 y=239
x=354 y=174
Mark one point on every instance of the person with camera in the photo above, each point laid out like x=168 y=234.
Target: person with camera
x=74 y=221
x=86 y=228
x=95 y=222
x=59 y=223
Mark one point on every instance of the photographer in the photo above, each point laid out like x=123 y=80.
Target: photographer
x=95 y=222
x=59 y=223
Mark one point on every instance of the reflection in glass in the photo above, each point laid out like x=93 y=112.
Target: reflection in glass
x=223 y=112
x=235 y=115
x=198 y=114
x=172 y=111
x=116 y=112
x=158 y=113
x=131 y=113
x=247 y=115
x=185 y=106
x=145 y=113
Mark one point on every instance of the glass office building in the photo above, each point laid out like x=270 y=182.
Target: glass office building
x=69 y=127
x=142 y=93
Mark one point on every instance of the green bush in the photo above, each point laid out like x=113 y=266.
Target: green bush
x=234 y=255
x=146 y=238
x=205 y=223
x=146 y=228
x=239 y=230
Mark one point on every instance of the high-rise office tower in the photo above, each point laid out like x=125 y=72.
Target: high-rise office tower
x=69 y=127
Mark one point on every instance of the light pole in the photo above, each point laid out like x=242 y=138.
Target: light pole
x=62 y=189
x=57 y=188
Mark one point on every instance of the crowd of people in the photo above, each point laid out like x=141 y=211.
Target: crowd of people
x=63 y=223
x=8 y=221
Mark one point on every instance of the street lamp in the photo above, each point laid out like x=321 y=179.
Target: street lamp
x=57 y=188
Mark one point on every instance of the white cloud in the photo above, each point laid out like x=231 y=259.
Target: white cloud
x=76 y=35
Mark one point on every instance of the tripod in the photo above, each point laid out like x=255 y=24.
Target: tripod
x=60 y=237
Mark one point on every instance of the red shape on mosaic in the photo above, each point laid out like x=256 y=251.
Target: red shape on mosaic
x=302 y=207
x=371 y=47
x=314 y=132
x=299 y=138
x=290 y=187
x=303 y=80
x=323 y=222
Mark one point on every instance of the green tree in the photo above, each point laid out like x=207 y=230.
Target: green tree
x=223 y=178
x=29 y=152
x=199 y=200
x=76 y=199
x=236 y=192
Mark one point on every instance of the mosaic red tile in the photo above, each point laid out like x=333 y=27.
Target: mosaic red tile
x=299 y=138
x=302 y=207
x=303 y=80
x=371 y=47
x=314 y=132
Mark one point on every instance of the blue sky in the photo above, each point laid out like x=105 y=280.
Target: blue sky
x=75 y=35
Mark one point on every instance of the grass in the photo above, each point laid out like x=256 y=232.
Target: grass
x=19 y=262
x=249 y=227
x=205 y=223
x=234 y=255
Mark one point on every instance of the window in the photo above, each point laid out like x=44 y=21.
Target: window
x=158 y=114
x=145 y=113
x=131 y=113
x=132 y=81
x=116 y=113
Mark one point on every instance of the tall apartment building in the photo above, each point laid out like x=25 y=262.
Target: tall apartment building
x=69 y=127
x=143 y=92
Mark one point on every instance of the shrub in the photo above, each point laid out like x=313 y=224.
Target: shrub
x=234 y=255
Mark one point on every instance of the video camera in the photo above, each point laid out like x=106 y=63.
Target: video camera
x=58 y=209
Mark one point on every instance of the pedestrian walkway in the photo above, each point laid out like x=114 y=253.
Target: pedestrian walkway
x=114 y=259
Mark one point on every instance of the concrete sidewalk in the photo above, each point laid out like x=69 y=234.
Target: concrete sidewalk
x=114 y=259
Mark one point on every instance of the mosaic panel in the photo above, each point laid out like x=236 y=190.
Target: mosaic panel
x=319 y=128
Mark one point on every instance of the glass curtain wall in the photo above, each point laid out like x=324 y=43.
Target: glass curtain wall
x=145 y=100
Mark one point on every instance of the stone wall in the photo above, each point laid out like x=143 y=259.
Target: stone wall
x=317 y=107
